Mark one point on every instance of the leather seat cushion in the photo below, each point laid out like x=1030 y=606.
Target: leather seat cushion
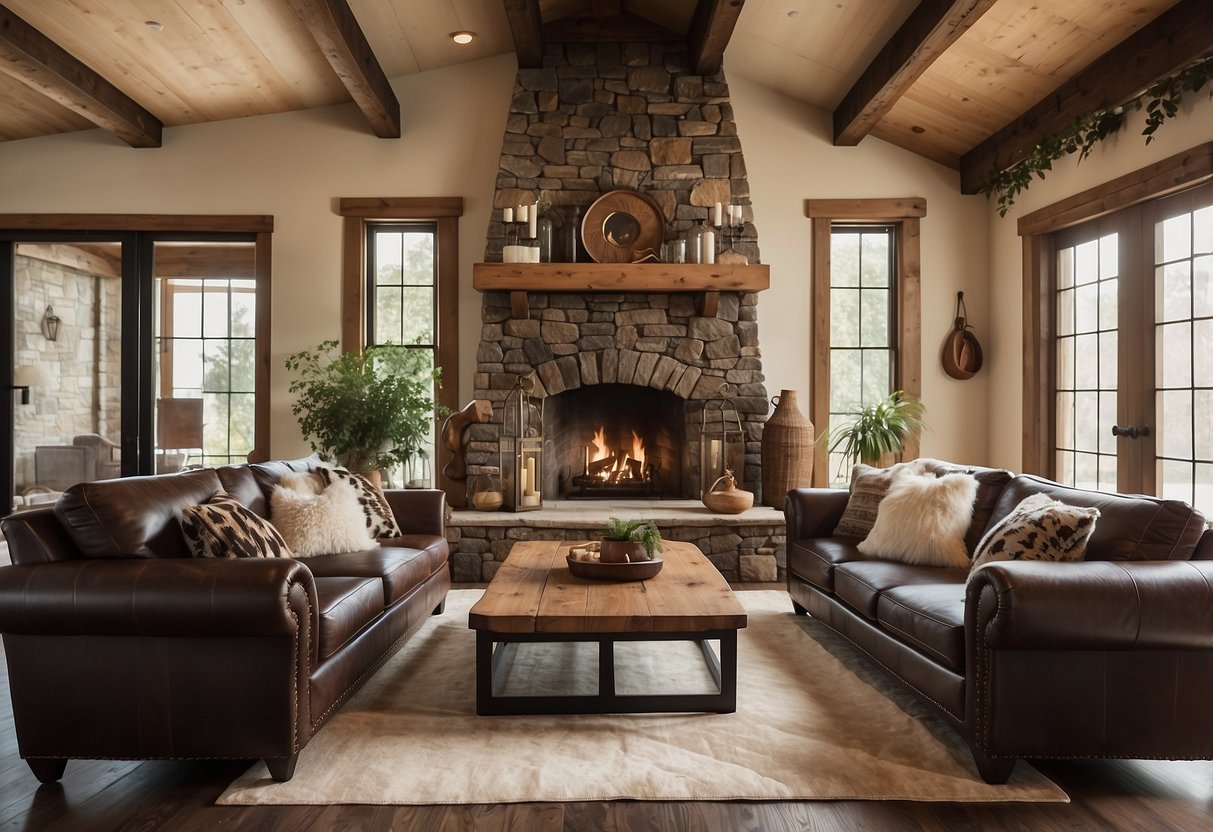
x=346 y=606
x=815 y=559
x=930 y=617
x=861 y=583
x=399 y=569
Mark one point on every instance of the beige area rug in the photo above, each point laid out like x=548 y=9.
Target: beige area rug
x=814 y=721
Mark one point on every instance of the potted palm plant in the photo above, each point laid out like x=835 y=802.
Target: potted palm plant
x=368 y=410
x=879 y=429
x=629 y=541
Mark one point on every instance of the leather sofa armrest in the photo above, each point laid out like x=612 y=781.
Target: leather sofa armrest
x=418 y=511
x=170 y=598
x=1091 y=605
x=814 y=512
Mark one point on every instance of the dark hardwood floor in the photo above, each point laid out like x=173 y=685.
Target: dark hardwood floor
x=106 y=796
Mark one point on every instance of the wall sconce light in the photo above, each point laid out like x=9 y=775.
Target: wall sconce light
x=28 y=376
x=50 y=324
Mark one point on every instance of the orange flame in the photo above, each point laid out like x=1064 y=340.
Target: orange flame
x=620 y=469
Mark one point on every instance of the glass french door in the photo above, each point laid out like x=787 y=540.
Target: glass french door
x=125 y=353
x=1133 y=351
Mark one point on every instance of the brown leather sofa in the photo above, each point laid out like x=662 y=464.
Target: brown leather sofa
x=122 y=646
x=1108 y=657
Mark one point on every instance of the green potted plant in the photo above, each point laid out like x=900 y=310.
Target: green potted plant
x=629 y=541
x=879 y=429
x=367 y=410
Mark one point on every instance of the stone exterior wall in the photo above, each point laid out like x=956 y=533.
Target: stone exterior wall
x=84 y=363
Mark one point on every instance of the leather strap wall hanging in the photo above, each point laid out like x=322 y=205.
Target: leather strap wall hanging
x=962 y=356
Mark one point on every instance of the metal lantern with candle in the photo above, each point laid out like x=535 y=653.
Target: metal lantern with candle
x=522 y=447
x=721 y=442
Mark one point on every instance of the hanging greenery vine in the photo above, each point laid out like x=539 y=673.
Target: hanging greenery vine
x=1161 y=102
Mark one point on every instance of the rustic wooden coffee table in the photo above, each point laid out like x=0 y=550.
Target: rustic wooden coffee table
x=533 y=598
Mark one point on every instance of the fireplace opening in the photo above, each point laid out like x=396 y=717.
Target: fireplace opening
x=614 y=441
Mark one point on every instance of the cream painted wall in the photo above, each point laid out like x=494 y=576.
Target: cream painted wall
x=294 y=165
x=790 y=158
x=1120 y=155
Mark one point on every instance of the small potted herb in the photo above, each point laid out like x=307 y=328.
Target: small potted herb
x=629 y=541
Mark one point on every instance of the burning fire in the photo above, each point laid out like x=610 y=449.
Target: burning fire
x=620 y=466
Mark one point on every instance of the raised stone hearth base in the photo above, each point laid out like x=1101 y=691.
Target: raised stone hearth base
x=744 y=547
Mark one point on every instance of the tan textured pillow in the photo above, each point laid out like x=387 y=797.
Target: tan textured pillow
x=223 y=528
x=1039 y=528
x=868 y=487
x=923 y=520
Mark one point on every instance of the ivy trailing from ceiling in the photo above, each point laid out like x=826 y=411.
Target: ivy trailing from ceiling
x=1161 y=102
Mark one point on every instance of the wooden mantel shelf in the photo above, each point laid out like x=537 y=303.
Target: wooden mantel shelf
x=709 y=280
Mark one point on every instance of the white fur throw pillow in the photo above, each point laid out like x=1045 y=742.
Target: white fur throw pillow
x=868 y=487
x=923 y=520
x=327 y=523
x=1039 y=528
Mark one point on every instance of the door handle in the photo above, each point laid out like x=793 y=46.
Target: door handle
x=1131 y=432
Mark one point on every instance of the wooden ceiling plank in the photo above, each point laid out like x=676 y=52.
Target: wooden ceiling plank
x=617 y=29
x=711 y=28
x=930 y=29
x=101 y=261
x=527 y=28
x=344 y=44
x=38 y=62
x=1174 y=39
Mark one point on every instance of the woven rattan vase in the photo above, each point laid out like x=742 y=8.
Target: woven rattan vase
x=787 y=450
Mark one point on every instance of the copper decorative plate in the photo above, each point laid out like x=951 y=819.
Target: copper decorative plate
x=622 y=226
x=594 y=570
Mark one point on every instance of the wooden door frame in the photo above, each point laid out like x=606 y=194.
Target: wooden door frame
x=1179 y=172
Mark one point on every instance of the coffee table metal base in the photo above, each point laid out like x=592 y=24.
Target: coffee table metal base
x=490 y=673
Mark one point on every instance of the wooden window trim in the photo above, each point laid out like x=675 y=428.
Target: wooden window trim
x=1181 y=171
x=904 y=213
x=445 y=212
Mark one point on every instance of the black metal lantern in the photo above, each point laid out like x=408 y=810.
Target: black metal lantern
x=50 y=324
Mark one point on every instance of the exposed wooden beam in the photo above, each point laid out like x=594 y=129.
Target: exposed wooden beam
x=92 y=260
x=340 y=38
x=928 y=31
x=527 y=28
x=711 y=27
x=41 y=64
x=1173 y=39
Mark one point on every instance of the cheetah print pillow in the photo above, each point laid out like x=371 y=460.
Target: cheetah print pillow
x=380 y=521
x=223 y=528
x=1039 y=528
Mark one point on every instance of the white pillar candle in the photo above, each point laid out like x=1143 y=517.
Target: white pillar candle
x=707 y=251
x=716 y=215
x=532 y=218
x=528 y=482
x=507 y=214
x=521 y=213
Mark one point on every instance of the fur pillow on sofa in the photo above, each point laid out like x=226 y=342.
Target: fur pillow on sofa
x=1039 y=528
x=327 y=523
x=923 y=520
x=223 y=528
x=376 y=513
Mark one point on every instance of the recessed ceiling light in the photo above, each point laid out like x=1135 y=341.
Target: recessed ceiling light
x=463 y=37
x=154 y=25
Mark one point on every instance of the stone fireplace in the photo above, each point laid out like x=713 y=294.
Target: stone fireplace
x=624 y=375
